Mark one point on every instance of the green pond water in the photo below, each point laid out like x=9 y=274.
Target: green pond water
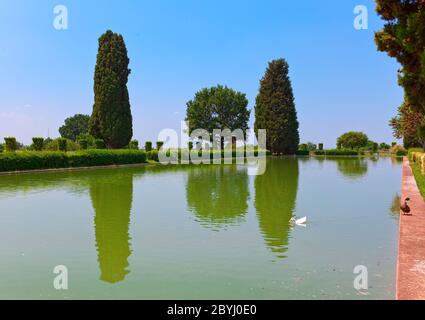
x=202 y=232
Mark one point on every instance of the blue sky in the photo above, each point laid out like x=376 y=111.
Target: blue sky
x=340 y=81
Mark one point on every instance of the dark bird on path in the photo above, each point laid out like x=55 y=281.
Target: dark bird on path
x=405 y=207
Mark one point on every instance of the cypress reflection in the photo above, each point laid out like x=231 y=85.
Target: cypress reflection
x=111 y=194
x=275 y=196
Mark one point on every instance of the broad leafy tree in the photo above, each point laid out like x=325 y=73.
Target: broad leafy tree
x=275 y=109
x=406 y=125
x=75 y=126
x=218 y=107
x=111 y=119
x=352 y=140
x=403 y=38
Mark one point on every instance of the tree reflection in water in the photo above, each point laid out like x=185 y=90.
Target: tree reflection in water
x=275 y=196
x=218 y=195
x=111 y=194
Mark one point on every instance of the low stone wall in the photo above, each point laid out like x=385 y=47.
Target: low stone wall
x=411 y=248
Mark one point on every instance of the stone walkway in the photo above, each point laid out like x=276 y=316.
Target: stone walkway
x=411 y=248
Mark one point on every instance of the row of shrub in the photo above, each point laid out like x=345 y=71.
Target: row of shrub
x=338 y=152
x=31 y=160
x=303 y=153
x=83 y=142
x=148 y=145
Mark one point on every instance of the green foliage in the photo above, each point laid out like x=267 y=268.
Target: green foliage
x=371 y=146
x=89 y=138
x=403 y=38
x=398 y=150
x=190 y=145
x=11 y=144
x=303 y=153
x=29 y=160
x=148 y=146
x=401 y=153
x=62 y=144
x=275 y=109
x=384 y=146
x=53 y=145
x=406 y=125
x=419 y=177
x=411 y=150
x=84 y=144
x=159 y=145
x=99 y=144
x=111 y=119
x=218 y=108
x=152 y=155
x=75 y=126
x=47 y=142
x=320 y=146
x=309 y=146
x=1 y=148
x=352 y=140
x=37 y=143
x=134 y=144
x=338 y=152
x=303 y=147
x=421 y=133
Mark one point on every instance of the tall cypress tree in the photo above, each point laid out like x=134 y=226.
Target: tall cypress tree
x=111 y=119
x=275 y=109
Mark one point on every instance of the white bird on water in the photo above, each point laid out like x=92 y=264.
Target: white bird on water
x=299 y=221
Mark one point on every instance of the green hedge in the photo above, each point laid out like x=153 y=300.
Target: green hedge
x=53 y=145
x=99 y=144
x=62 y=144
x=37 y=143
x=159 y=145
x=401 y=153
x=148 y=146
x=303 y=153
x=38 y=160
x=337 y=152
x=134 y=144
x=84 y=144
x=29 y=160
x=152 y=155
x=10 y=144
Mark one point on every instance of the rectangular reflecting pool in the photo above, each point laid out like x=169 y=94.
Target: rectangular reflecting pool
x=202 y=232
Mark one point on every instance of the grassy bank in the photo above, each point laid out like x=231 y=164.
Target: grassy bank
x=419 y=177
x=415 y=160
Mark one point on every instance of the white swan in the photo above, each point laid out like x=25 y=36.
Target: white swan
x=299 y=222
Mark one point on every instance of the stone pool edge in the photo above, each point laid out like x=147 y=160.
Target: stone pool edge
x=410 y=279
